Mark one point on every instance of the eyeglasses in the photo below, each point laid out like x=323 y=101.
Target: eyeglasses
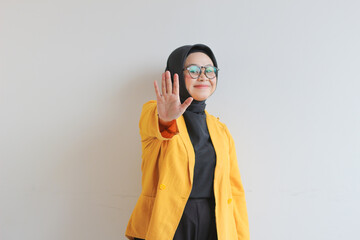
x=195 y=71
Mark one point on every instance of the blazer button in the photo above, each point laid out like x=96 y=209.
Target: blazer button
x=229 y=200
x=162 y=186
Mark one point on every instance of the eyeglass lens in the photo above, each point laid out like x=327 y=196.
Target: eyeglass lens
x=195 y=71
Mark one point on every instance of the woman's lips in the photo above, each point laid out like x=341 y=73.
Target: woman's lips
x=201 y=86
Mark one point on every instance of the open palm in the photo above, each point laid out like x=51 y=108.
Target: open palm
x=168 y=101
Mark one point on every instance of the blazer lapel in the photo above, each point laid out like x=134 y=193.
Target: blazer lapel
x=216 y=138
x=184 y=135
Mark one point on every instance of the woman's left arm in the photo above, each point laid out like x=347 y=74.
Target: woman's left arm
x=238 y=193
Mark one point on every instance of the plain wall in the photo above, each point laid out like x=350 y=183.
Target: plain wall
x=75 y=74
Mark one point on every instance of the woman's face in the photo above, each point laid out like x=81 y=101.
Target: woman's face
x=201 y=88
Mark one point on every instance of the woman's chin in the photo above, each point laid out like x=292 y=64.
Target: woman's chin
x=200 y=98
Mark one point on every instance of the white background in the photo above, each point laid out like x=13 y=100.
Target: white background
x=75 y=74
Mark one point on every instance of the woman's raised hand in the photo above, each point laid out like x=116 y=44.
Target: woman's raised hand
x=168 y=101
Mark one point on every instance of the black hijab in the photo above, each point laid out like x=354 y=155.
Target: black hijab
x=195 y=119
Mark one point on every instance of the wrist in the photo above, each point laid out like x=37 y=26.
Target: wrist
x=165 y=123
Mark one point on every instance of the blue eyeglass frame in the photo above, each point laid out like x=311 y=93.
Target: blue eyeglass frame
x=201 y=67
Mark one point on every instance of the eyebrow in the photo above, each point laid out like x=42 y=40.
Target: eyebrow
x=193 y=64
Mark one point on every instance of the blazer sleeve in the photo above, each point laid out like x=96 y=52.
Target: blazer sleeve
x=150 y=127
x=238 y=193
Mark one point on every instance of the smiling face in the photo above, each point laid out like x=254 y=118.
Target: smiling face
x=201 y=88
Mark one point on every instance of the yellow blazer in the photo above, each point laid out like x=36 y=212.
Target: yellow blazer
x=167 y=176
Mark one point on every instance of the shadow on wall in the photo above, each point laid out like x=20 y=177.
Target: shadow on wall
x=100 y=171
x=132 y=96
x=130 y=100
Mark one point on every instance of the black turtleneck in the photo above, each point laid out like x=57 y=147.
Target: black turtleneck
x=195 y=119
x=205 y=157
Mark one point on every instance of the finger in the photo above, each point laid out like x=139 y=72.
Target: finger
x=176 y=84
x=163 y=86
x=158 y=94
x=168 y=83
x=186 y=104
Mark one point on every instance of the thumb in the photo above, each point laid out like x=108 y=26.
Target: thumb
x=186 y=104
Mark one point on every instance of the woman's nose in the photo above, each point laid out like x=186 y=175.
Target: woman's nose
x=202 y=76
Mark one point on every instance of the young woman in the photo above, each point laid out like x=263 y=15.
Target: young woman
x=191 y=185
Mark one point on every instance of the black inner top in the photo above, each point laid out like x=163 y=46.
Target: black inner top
x=205 y=157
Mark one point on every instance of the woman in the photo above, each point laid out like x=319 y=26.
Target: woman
x=191 y=185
